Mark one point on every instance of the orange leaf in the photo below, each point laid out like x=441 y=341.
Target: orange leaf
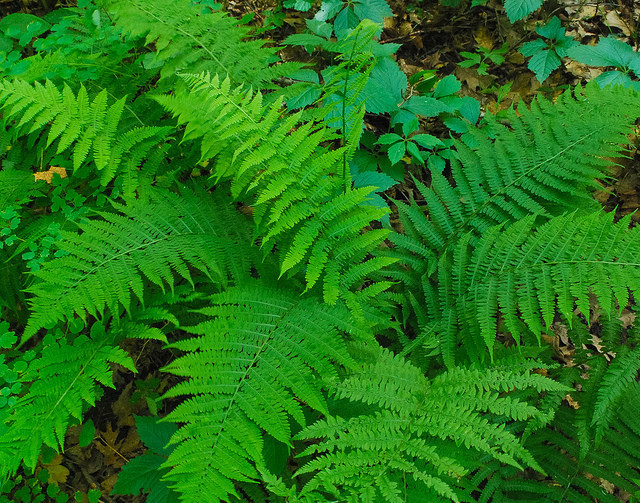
x=48 y=175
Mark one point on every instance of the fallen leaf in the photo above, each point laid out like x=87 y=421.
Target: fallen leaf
x=483 y=38
x=57 y=473
x=572 y=402
x=108 y=483
x=614 y=20
x=48 y=175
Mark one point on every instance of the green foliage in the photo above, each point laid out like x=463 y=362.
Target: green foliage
x=315 y=351
x=611 y=52
x=184 y=38
x=61 y=383
x=496 y=56
x=546 y=55
x=259 y=353
x=145 y=473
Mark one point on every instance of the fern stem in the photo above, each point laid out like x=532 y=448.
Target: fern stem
x=344 y=113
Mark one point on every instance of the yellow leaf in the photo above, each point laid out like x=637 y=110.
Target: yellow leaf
x=484 y=38
x=57 y=473
x=48 y=175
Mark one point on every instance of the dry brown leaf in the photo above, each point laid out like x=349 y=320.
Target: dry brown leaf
x=627 y=318
x=484 y=38
x=124 y=409
x=48 y=175
x=108 y=483
x=57 y=473
x=614 y=20
x=572 y=402
x=109 y=446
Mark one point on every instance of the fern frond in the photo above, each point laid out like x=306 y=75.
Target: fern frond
x=16 y=187
x=418 y=429
x=618 y=379
x=544 y=163
x=261 y=353
x=82 y=127
x=64 y=381
x=75 y=120
x=538 y=271
x=189 y=36
x=114 y=256
x=300 y=200
x=576 y=476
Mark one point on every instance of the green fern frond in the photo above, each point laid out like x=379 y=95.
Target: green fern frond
x=116 y=255
x=418 y=429
x=78 y=125
x=543 y=163
x=16 y=187
x=618 y=379
x=576 y=476
x=88 y=126
x=300 y=200
x=538 y=271
x=64 y=381
x=261 y=353
x=188 y=36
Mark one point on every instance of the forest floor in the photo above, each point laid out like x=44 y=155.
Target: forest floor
x=432 y=37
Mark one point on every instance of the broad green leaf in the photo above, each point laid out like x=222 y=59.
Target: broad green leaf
x=552 y=30
x=426 y=106
x=447 y=86
x=608 y=52
x=321 y=28
x=87 y=433
x=384 y=89
x=301 y=5
x=426 y=140
x=543 y=63
x=388 y=139
x=396 y=152
x=528 y=49
x=413 y=149
x=519 y=9
x=376 y=10
x=328 y=9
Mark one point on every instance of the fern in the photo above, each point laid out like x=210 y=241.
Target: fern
x=193 y=37
x=260 y=352
x=301 y=203
x=76 y=124
x=413 y=434
x=114 y=256
x=543 y=164
x=617 y=383
x=63 y=383
x=527 y=275
x=614 y=460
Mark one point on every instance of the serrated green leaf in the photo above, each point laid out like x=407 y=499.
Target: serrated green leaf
x=396 y=152
x=447 y=86
x=426 y=106
x=519 y=9
x=384 y=89
x=608 y=52
x=388 y=139
x=426 y=140
x=87 y=433
x=552 y=30
x=528 y=49
x=376 y=10
x=543 y=63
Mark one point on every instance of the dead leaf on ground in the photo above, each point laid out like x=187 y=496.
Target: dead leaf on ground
x=48 y=175
x=57 y=472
